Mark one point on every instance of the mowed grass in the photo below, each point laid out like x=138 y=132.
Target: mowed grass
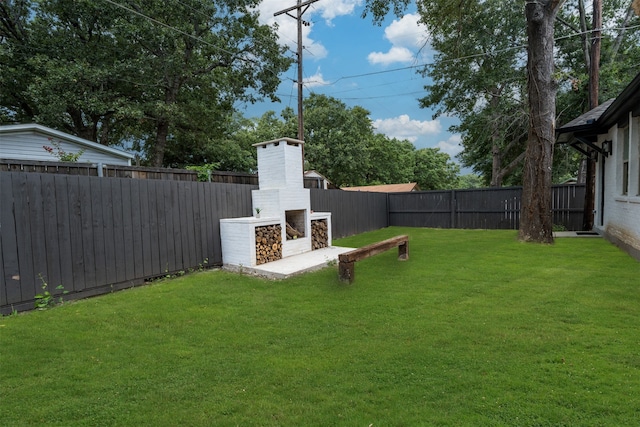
x=475 y=329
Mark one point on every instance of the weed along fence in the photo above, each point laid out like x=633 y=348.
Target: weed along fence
x=93 y=235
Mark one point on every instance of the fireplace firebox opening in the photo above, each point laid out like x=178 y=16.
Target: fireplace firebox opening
x=296 y=221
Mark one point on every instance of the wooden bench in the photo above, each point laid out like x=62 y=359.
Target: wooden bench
x=348 y=259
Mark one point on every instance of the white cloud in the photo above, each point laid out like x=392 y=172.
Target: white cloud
x=333 y=8
x=395 y=54
x=451 y=146
x=288 y=26
x=407 y=37
x=315 y=80
x=407 y=32
x=403 y=127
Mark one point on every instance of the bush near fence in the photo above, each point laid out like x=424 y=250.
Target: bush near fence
x=94 y=235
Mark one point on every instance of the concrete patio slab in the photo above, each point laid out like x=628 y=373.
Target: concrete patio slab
x=576 y=234
x=293 y=265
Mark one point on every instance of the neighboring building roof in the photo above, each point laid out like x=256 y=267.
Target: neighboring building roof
x=314 y=174
x=24 y=133
x=598 y=121
x=321 y=180
x=386 y=188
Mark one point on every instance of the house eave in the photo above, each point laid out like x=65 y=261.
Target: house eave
x=32 y=127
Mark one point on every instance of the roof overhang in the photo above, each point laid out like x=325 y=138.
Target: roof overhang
x=35 y=128
x=586 y=128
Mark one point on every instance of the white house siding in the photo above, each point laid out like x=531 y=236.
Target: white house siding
x=620 y=219
x=28 y=145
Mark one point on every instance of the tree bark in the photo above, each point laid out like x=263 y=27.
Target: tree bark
x=496 y=151
x=536 y=224
x=584 y=36
x=162 y=131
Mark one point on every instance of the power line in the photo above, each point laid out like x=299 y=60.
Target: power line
x=471 y=56
x=184 y=33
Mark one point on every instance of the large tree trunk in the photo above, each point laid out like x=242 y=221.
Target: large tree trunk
x=496 y=138
x=164 y=121
x=536 y=224
x=162 y=131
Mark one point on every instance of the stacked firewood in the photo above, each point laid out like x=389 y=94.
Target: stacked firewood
x=292 y=233
x=268 y=243
x=319 y=234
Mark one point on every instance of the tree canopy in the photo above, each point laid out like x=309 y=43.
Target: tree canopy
x=479 y=73
x=163 y=75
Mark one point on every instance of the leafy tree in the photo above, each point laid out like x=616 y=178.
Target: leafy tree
x=477 y=76
x=434 y=170
x=470 y=181
x=60 y=66
x=479 y=72
x=336 y=139
x=391 y=160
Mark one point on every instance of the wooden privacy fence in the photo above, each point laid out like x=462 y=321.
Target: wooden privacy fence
x=487 y=208
x=93 y=235
x=136 y=172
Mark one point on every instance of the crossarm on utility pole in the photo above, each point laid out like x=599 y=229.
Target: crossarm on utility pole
x=289 y=9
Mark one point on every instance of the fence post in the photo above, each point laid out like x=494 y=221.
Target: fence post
x=452 y=208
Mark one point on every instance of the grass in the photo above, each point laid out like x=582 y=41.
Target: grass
x=475 y=329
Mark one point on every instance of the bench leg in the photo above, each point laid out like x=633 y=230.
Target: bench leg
x=403 y=251
x=346 y=271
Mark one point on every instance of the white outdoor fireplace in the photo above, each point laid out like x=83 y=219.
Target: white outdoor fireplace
x=285 y=225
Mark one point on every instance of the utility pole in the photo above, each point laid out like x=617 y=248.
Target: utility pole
x=594 y=89
x=301 y=7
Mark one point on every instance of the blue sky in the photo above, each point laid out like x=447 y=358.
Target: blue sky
x=351 y=59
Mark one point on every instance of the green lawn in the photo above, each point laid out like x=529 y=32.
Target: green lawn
x=475 y=329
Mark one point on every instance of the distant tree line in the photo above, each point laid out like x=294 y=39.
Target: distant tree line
x=340 y=143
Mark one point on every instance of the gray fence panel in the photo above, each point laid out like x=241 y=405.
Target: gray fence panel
x=421 y=209
x=10 y=291
x=490 y=208
x=92 y=235
x=568 y=206
x=487 y=208
x=351 y=212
